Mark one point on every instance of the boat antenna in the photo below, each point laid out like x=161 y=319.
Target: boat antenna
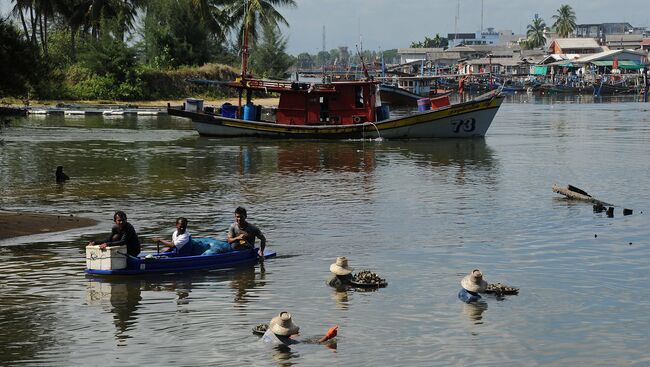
x=244 y=61
x=363 y=64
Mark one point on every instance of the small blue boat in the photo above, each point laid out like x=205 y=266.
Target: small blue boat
x=207 y=254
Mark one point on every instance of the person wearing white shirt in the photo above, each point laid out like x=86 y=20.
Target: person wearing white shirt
x=181 y=243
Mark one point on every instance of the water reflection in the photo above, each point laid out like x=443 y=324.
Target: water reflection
x=244 y=280
x=474 y=153
x=252 y=157
x=341 y=298
x=124 y=297
x=282 y=354
x=474 y=311
x=26 y=325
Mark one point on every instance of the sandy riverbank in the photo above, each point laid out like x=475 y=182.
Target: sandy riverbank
x=22 y=224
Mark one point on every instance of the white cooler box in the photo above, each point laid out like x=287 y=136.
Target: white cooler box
x=107 y=259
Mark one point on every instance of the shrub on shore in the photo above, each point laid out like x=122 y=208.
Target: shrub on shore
x=166 y=84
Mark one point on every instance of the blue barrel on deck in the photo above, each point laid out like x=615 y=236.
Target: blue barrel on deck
x=250 y=112
x=424 y=104
x=228 y=110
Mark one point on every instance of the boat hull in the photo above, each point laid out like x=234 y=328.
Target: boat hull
x=143 y=265
x=395 y=96
x=462 y=120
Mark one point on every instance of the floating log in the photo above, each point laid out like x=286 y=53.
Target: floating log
x=573 y=192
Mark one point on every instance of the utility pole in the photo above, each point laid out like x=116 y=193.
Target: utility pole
x=323 y=38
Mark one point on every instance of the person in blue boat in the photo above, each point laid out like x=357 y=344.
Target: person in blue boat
x=241 y=234
x=281 y=329
x=122 y=234
x=472 y=284
x=181 y=243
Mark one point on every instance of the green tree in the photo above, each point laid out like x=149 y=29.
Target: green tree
x=173 y=35
x=15 y=77
x=304 y=61
x=436 y=42
x=269 y=59
x=565 y=21
x=323 y=58
x=254 y=15
x=440 y=41
x=535 y=33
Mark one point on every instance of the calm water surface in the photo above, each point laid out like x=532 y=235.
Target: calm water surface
x=420 y=213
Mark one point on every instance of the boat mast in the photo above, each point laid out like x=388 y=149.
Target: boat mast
x=244 y=61
x=244 y=58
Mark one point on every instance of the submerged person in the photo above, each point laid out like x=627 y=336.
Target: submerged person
x=122 y=234
x=342 y=274
x=60 y=176
x=181 y=243
x=241 y=234
x=472 y=284
x=281 y=329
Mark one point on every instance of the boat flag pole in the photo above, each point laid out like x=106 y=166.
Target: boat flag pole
x=363 y=65
x=244 y=59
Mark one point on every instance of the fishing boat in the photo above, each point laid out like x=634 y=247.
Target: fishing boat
x=333 y=110
x=115 y=261
x=337 y=110
x=602 y=88
x=406 y=91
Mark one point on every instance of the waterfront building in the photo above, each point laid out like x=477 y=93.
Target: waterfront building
x=580 y=46
x=487 y=37
x=600 y=31
x=408 y=55
x=623 y=41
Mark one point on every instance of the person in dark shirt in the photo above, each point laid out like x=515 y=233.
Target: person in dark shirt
x=122 y=234
x=342 y=274
x=472 y=284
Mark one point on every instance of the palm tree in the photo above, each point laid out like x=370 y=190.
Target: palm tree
x=565 y=21
x=254 y=15
x=535 y=33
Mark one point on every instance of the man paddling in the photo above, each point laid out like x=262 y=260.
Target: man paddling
x=241 y=234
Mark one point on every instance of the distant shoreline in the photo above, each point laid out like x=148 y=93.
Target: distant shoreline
x=273 y=101
x=17 y=224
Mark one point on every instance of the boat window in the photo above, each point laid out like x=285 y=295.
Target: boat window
x=324 y=109
x=358 y=93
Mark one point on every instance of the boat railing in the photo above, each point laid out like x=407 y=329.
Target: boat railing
x=287 y=85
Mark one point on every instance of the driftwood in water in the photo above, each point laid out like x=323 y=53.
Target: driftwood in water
x=573 y=192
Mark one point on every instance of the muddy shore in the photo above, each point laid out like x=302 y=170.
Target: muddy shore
x=14 y=224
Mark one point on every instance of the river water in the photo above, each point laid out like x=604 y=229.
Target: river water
x=420 y=213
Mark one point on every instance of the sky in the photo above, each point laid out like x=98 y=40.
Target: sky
x=386 y=24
